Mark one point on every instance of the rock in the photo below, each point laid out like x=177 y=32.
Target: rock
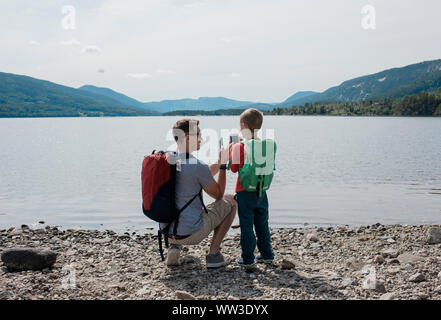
x=312 y=237
x=102 y=241
x=287 y=264
x=182 y=295
x=439 y=275
x=348 y=282
x=434 y=235
x=41 y=222
x=388 y=296
x=418 y=277
x=5 y=295
x=354 y=264
x=16 y=232
x=315 y=245
x=21 y=259
x=393 y=261
x=408 y=258
x=423 y=296
x=390 y=253
x=390 y=240
x=375 y=226
x=393 y=271
x=379 y=259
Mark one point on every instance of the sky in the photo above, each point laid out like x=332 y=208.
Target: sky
x=253 y=50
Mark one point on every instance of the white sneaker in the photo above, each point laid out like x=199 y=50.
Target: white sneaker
x=173 y=254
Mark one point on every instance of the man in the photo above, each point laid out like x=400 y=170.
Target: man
x=192 y=176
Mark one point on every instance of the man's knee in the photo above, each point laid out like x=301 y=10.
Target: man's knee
x=232 y=201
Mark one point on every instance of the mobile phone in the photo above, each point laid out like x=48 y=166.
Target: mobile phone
x=234 y=139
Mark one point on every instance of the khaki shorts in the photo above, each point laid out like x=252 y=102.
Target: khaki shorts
x=217 y=212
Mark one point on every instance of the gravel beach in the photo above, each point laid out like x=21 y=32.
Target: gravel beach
x=368 y=262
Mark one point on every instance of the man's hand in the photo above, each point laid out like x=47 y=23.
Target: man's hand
x=224 y=155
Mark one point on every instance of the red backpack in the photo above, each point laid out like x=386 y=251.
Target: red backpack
x=158 y=177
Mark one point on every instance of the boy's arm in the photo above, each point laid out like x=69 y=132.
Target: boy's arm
x=237 y=157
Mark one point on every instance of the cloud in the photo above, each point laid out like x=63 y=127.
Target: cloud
x=91 y=49
x=71 y=43
x=226 y=39
x=235 y=75
x=188 y=3
x=139 y=75
x=164 y=71
x=34 y=43
x=101 y=71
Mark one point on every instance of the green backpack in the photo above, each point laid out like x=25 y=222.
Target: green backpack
x=257 y=172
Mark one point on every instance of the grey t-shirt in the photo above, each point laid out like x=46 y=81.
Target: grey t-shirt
x=191 y=176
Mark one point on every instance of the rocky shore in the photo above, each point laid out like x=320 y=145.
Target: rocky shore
x=371 y=262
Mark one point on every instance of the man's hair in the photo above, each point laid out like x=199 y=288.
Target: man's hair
x=186 y=126
x=253 y=118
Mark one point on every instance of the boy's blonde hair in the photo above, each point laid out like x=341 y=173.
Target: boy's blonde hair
x=253 y=118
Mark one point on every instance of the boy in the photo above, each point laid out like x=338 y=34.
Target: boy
x=251 y=187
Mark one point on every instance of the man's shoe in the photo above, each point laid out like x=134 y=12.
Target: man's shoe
x=173 y=254
x=262 y=260
x=215 y=260
x=243 y=264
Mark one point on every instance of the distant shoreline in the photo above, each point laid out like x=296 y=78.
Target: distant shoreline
x=205 y=115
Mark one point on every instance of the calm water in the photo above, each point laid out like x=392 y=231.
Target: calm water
x=85 y=172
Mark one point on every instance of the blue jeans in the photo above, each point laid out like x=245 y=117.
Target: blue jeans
x=253 y=212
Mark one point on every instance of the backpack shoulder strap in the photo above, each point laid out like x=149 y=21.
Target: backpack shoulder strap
x=175 y=228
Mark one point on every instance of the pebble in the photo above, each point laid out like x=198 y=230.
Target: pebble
x=134 y=266
x=388 y=296
x=348 y=282
x=182 y=295
x=408 y=258
x=379 y=259
x=390 y=253
x=287 y=264
x=434 y=235
x=312 y=237
x=418 y=277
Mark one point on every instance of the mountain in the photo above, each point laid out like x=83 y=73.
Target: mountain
x=204 y=103
x=389 y=84
x=300 y=95
x=113 y=95
x=22 y=96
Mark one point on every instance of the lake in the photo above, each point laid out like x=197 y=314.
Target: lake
x=85 y=172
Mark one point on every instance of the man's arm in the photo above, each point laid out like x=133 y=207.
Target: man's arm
x=216 y=190
x=214 y=168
